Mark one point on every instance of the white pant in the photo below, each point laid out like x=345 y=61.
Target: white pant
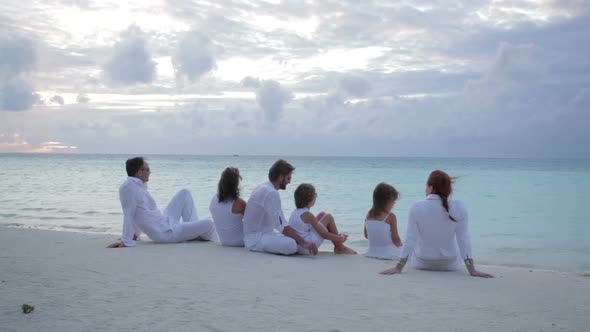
x=271 y=242
x=314 y=237
x=436 y=265
x=183 y=206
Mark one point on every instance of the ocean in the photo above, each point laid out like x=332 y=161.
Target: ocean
x=523 y=212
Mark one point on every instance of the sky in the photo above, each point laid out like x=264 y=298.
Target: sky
x=507 y=79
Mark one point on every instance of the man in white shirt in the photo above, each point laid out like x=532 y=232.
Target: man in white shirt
x=141 y=214
x=265 y=225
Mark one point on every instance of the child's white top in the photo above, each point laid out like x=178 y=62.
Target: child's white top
x=380 y=243
x=302 y=228
x=228 y=225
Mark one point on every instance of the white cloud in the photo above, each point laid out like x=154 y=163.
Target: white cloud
x=193 y=57
x=271 y=97
x=131 y=63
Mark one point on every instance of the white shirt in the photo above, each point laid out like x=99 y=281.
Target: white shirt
x=302 y=228
x=432 y=235
x=228 y=224
x=140 y=212
x=263 y=211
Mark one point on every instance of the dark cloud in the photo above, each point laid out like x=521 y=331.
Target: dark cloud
x=57 y=100
x=193 y=57
x=18 y=57
x=82 y=98
x=17 y=95
x=131 y=62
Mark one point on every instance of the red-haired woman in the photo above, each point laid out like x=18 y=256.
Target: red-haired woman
x=437 y=237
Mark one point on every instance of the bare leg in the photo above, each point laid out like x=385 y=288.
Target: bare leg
x=339 y=248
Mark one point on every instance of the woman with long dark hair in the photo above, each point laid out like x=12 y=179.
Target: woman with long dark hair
x=437 y=237
x=227 y=209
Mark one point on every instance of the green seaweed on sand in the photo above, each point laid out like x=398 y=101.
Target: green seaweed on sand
x=27 y=308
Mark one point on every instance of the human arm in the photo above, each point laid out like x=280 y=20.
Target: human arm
x=239 y=206
x=128 y=200
x=290 y=232
x=309 y=218
x=392 y=221
x=464 y=242
x=365 y=231
x=410 y=243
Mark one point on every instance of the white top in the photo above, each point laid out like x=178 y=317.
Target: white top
x=263 y=211
x=432 y=235
x=227 y=224
x=302 y=228
x=140 y=212
x=381 y=245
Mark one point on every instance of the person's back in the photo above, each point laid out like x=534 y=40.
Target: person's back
x=303 y=229
x=227 y=224
x=381 y=245
x=437 y=234
x=263 y=210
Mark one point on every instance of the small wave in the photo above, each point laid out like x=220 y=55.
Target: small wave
x=8 y=215
x=76 y=227
x=32 y=209
x=58 y=218
x=512 y=250
x=90 y=213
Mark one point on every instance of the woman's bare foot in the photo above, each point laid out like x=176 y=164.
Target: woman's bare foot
x=344 y=250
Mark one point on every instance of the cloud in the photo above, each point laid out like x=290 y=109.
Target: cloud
x=131 y=62
x=82 y=98
x=193 y=57
x=270 y=96
x=18 y=57
x=17 y=95
x=57 y=100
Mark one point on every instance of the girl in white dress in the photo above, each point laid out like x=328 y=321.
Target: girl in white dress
x=381 y=224
x=315 y=228
x=227 y=209
x=437 y=237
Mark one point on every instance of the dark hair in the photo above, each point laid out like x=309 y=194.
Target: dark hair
x=228 y=186
x=280 y=167
x=382 y=194
x=133 y=165
x=304 y=194
x=442 y=185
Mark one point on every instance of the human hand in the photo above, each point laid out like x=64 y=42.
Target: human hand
x=480 y=274
x=393 y=270
x=313 y=249
x=341 y=238
x=117 y=244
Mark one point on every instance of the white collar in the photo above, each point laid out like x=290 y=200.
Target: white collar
x=433 y=197
x=136 y=180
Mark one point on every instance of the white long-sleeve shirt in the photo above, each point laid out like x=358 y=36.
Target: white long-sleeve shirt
x=432 y=235
x=263 y=211
x=140 y=212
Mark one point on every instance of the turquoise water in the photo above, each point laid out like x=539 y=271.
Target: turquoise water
x=529 y=213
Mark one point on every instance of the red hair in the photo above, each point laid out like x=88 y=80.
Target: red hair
x=442 y=185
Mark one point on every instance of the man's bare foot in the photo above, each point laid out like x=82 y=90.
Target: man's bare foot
x=344 y=250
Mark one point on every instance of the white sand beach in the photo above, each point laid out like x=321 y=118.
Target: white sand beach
x=76 y=284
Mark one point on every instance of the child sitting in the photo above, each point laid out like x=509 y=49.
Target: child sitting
x=315 y=228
